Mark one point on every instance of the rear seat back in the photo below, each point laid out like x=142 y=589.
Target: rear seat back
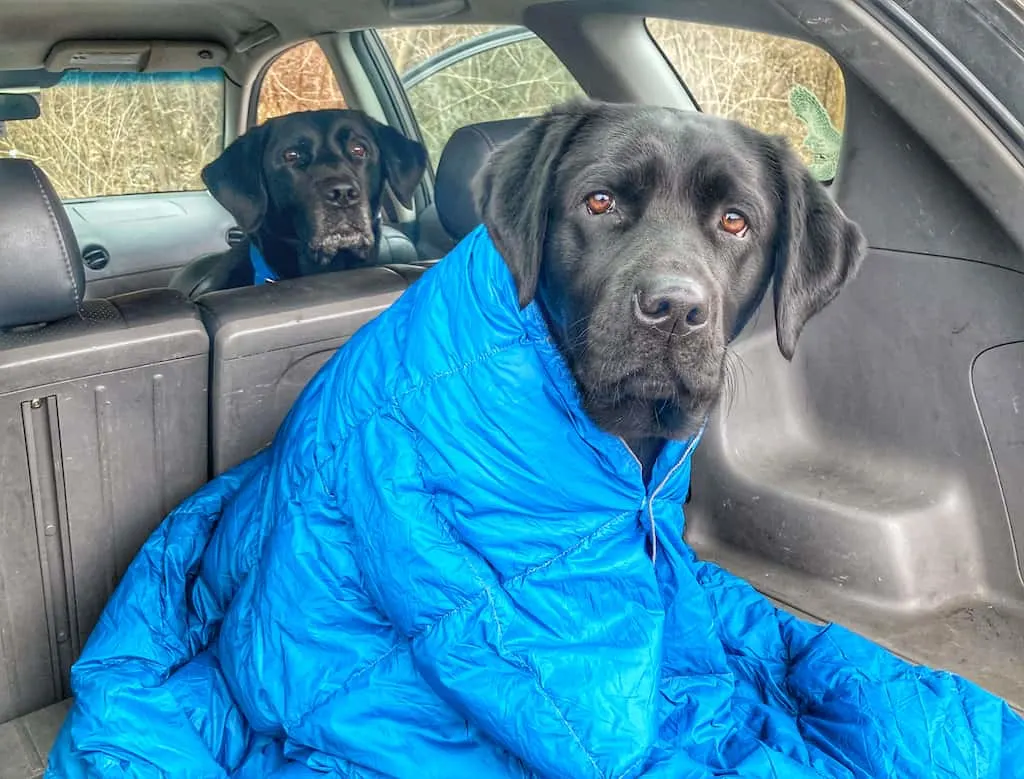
x=269 y=341
x=103 y=429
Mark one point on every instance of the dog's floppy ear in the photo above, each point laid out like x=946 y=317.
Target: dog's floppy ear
x=235 y=179
x=817 y=248
x=513 y=191
x=403 y=160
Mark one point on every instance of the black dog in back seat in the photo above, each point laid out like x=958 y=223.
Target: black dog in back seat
x=306 y=188
x=649 y=237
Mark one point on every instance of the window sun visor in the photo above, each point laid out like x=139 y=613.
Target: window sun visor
x=135 y=56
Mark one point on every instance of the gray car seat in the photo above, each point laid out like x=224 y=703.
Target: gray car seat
x=103 y=429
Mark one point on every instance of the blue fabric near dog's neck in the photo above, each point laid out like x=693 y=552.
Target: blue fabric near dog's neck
x=261 y=271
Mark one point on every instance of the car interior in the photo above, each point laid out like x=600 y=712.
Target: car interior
x=869 y=482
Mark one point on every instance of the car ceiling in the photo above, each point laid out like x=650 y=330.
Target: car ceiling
x=28 y=29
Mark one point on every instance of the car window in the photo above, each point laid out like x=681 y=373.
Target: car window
x=777 y=85
x=299 y=79
x=104 y=134
x=456 y=75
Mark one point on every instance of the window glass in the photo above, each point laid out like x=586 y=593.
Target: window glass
x=116 y=134
x=774 y=84
x=299 y=79
x=456 y=75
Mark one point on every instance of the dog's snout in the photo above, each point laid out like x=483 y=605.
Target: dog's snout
x=676 y=304
x=340 y=192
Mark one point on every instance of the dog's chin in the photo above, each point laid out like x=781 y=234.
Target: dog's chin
x=635 y=385
x=635 y=409
x=648 y=393
x=339 y=250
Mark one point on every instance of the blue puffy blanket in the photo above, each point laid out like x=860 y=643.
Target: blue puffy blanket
x=442 y=568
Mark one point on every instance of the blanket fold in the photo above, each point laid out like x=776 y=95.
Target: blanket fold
x=442 y=568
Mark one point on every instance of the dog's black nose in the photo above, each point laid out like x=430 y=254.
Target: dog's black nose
x=676 y=304
x=339 y=192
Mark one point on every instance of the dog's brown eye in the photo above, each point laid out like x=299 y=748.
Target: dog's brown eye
x=291 y=155
x=735 y=223
x=356 y=149
x=600 y=203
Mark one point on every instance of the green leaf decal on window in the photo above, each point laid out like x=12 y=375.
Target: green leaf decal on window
x=822 y=139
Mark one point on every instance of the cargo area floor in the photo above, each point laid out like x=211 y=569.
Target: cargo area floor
x=983 y=642
x=25 y=742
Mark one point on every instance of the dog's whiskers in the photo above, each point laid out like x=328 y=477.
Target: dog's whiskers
x=734 y=368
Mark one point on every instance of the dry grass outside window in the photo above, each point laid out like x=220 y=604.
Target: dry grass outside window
x=100 y=137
